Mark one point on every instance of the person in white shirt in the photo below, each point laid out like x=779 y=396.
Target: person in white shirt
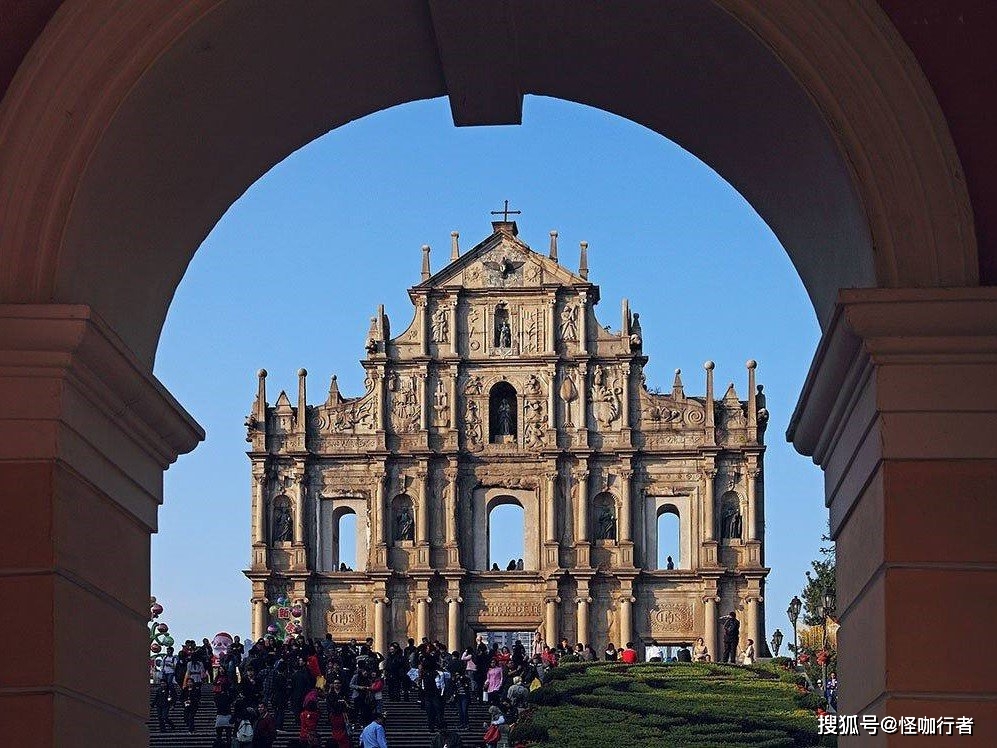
x=748 y=657
x=170 y=667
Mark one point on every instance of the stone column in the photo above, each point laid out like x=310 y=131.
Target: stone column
x=626 y=507
x=453 y=623
x=421 y=307
x=710 y=637
x=583 y=397
x=422 y=617
x=422 y=515
x=382 y=401
x=452 y=306
x=583 y=322
x=453 y=399
x=550 y=508
x=305 y=625
x=425 y=398
x=259 y=504
x=552 y=399
x=583 y=618
x=626 y=618
x=751 y=520
x=709 y=509
x=381 y=624
x=379 y=514
x=259 y=617
x=299 y=504
x=452 y=503
x=582 y=506
x=550 y=619
x=551 y=326
x=625 y=397
x=752 y=623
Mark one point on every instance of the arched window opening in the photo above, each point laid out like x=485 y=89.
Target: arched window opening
x=344 y=540
x=402 y=519
x=604 y=508
x=502 y=413
x=731 y=524
x=669 y=538
x=506 y=534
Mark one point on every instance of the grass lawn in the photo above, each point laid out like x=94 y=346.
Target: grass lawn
x=600 y=705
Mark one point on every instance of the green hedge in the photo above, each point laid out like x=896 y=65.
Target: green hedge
x=656 y=705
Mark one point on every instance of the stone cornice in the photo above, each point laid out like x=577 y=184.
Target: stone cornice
x=875 y=328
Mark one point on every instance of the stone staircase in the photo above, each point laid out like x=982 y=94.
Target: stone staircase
x=405 y=725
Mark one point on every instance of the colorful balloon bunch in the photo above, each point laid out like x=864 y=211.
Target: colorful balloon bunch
x=286 y=618
x=159 y=635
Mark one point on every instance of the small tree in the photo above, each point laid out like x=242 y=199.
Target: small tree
x=820 y=581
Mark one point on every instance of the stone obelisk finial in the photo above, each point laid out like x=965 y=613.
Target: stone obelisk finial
x=454 y=247
x=583 y=261
x=553 y=246
x=425 y=262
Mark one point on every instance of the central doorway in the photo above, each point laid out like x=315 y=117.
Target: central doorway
x=509 y=639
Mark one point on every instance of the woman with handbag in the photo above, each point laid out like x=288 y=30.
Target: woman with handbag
x=493 y=682
x=495 y=730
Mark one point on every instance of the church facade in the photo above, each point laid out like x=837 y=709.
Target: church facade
x=505 y=389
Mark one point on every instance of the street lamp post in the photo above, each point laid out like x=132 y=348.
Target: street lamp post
x=776 y=642
x=795 y=605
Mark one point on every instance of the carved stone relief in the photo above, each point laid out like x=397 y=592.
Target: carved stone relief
x=405 y=404
x=472 y=427
x=534 y=419
x=440 y=325
x=569 y=323
x=672 y=618
x=441 y=406
x=347 y=619
x=605 y=397
x=473 y=329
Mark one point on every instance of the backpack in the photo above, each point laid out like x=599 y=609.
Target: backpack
x=245 y=732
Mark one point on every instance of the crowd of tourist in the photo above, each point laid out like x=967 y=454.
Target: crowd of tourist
x=255 y=686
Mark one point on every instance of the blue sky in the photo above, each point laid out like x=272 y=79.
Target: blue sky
x=291 y=274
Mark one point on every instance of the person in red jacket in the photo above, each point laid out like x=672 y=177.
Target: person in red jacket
x=308 y=734
x=629 y=655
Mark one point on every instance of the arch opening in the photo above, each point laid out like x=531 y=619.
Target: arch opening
x=669 y=531
x=344 y=540
x=506 y=530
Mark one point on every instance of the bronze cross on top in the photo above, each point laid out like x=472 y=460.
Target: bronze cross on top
x=505 y=212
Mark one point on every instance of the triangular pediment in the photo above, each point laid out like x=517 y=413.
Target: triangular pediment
x=502 y=261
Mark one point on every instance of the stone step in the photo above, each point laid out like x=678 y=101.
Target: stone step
x=404 y=724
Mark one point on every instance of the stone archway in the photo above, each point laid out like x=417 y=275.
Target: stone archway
x=128 y=131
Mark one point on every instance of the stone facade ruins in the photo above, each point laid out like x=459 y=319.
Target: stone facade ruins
x=505 y=389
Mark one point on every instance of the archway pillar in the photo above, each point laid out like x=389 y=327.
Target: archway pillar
x=85 y=435
x=898 y=409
